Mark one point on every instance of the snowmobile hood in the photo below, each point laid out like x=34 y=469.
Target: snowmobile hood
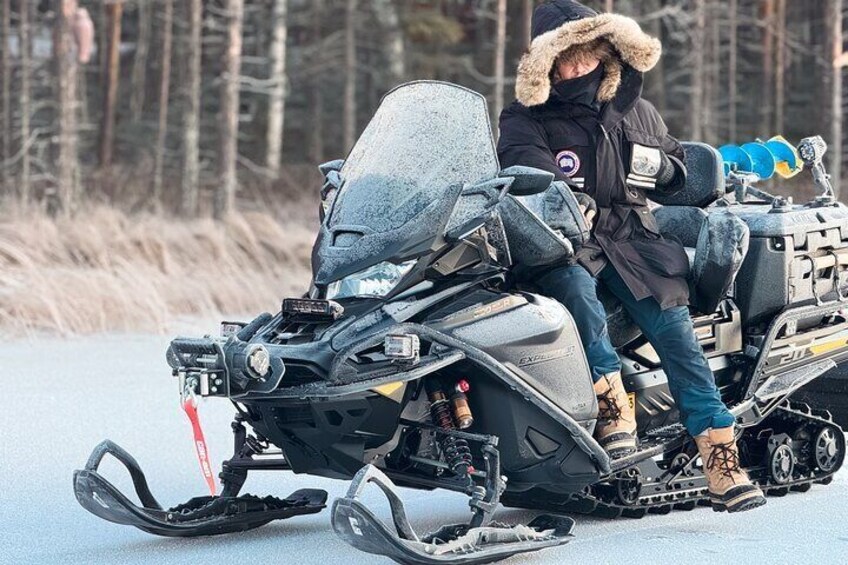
x=403 y=178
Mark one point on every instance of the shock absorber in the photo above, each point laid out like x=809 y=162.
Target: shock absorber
x=456 y=451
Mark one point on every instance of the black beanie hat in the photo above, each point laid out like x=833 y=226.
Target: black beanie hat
x=553 y=14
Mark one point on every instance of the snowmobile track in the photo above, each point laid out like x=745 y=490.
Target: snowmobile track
x=606 y=502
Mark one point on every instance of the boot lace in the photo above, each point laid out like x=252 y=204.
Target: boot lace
x=608 y=408
x=724 y=459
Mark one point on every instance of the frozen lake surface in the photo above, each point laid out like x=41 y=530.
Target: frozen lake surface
x=61 y=397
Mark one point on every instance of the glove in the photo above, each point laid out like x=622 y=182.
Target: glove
x=650 y=168
x=587 y=206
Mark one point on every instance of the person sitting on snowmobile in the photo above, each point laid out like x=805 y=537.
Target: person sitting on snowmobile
x=579 y=114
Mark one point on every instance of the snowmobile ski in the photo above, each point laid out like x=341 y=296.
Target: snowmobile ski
x=200 y=516
x=457 y=544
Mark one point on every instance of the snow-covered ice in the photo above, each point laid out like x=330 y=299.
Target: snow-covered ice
x=61 y=397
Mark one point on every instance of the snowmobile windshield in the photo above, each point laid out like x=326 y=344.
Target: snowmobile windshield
x=424 y=138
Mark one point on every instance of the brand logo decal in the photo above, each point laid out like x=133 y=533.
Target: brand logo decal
x=568 y=162
x=547 y=356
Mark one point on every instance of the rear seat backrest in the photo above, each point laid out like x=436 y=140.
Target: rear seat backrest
x=705 y=181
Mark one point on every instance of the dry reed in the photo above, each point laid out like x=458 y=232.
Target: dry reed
x=105 y=271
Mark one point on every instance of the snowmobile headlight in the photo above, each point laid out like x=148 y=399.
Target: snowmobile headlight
x=403 y=347
x=376 y=281
x=259 y=361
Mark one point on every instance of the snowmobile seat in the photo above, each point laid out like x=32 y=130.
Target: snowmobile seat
x=715 y=239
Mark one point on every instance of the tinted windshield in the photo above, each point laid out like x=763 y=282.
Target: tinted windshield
x=425 y=137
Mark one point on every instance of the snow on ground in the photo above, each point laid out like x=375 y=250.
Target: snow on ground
x=61 y=397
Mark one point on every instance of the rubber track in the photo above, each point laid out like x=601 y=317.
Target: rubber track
x=663 y=503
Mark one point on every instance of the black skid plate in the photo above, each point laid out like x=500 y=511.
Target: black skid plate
x=201 y=516
x=460 y=544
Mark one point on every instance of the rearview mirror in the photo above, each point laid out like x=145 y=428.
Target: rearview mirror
x=527 y=180
x=329 y=166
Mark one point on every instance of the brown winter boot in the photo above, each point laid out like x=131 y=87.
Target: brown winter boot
x=616 y=428
x=730 y=488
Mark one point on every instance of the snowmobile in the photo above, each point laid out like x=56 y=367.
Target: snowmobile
x=416 y=360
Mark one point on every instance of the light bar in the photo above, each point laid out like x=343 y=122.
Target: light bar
x=311 y=310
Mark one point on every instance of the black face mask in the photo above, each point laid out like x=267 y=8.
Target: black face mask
x=581 y=90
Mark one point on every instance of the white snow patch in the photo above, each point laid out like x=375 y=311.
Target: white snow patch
x=61 y=397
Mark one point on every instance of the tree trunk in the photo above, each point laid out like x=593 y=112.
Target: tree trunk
x=316 y=146
x=164 y=97
x=500 y=57
x=191 y=124
x=113 y=77
x=526 y=23
x=836 y=97
x=65 y=54
x=276 y=105
x=697 y=98
x=732 y=71
x=226 y=189
x=767 y=100
x=349 y=118
x=609 y=5
x=26 y=98
x=5 y=97
x=139 y=70
x=386 y=13
x=780 y=68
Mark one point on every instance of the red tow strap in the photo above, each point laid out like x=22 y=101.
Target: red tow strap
x=189 y=404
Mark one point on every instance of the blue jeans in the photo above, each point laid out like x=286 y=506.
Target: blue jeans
x=670 y=332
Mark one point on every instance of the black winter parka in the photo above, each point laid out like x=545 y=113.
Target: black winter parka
x=591 y=149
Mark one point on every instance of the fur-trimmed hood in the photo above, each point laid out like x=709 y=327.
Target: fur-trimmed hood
x=634 y=47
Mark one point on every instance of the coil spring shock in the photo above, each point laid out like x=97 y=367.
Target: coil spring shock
x=456 y=451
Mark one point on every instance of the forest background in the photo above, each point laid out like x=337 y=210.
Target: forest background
x=158 y=157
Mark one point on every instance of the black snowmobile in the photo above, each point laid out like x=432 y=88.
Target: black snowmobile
x=415 y=360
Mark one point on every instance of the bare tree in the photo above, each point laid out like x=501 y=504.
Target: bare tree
x=316 y=145
x=767 y=100
x=191 y=124
x=114 y=13
x=836 y=117
x=780 y=67
x=164 y=98
x=732 y=70
x=386 y=13
x=65 y=54
x=500 y=56
x=139 y=68
x=526 y=21
x=5 y=96
x=276 y=105
x=349 y=111
x=698 y=70
x=26 y=97
x=226 y=189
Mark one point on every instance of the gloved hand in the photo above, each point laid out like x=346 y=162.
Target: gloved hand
x=650 y=168
x=587 y=206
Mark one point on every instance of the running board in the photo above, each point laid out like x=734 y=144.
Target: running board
x=456 y=544
x=775 y=390
x=201 y=516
